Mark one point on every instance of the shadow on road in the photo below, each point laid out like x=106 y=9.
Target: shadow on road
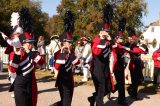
x=4 y=87
x=76 y=84
x=145 y=90
x=48 y=90
x=46 y=79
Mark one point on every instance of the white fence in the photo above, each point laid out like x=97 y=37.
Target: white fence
x=3 y=56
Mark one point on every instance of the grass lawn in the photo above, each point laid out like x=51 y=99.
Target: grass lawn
x=47 y=74
x=146 y=87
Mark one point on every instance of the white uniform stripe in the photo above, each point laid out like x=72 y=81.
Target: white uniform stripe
x=105 y=50
x=68 y=63
x=13 y=64
x=27 y=72
x=25 y=61
x=126 y=48
x=37 y=58
x=69 y=68
x=27 y=66
x=60 y=61
x=106 y=54
x=101 y=46
x=142 y=48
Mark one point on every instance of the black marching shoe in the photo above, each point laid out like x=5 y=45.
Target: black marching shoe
x=123 y=103
x=57 y=104
x=135 y=98
x=129 y=91
x=91 y=99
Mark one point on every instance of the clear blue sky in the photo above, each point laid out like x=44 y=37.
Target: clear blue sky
x=153 y=11
x=49 y=6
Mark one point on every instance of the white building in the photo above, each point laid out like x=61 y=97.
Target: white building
x=153 y=32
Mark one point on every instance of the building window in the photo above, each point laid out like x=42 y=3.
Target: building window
x=152 y=29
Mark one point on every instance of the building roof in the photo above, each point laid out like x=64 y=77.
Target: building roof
x=156 y=23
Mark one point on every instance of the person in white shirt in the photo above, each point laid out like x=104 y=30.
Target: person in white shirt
x=86 y=58
x=54 y=46
x=78 y=52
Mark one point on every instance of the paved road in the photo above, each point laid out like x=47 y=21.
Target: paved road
x=48 y=95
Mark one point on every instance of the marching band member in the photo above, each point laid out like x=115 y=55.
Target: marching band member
x=100 y=71
x=119 y=62
x=136 y=65
x=20 y=22
x=23 y=64
x=13 y=43
x=156 y=59
x=64 y=61
x=22 y=60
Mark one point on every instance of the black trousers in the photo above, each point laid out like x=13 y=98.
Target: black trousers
x=100 y=90
x=23 y=92
x=156 y=74
x=101 y=82
x=120 y=86
x=66 y=94
x=136 y=78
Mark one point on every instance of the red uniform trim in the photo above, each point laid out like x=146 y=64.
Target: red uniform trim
x=155 y=55
x=96 y=51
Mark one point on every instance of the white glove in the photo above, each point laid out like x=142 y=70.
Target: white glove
x=4 y=36
x=126 y=48
x=115 y=45
x=108 y=37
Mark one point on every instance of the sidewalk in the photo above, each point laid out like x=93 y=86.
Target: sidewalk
x=48 y=94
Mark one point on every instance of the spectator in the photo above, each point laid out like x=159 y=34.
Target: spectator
x=41 y=48
x=156 y=59
x=79 y=48
x=86 y=58
x=54 y=46
x=78 y=52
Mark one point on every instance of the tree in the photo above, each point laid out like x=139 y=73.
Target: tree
x=39 y=18
x=88 y=15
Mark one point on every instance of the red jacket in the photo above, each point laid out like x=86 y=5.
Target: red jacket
x=101 y=51
x=23 y=64
x=64 y=64
x=155 y=55
x=118 y=61
x=135 y=57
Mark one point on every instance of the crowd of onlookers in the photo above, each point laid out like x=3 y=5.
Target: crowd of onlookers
x=82 y=49
x=48 y=51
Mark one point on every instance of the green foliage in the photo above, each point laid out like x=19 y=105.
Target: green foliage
x=39 y=18
x=88 y=15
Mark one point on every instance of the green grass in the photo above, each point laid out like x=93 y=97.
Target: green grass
x=146 y=87
x=5 y=68
x=47 y=74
